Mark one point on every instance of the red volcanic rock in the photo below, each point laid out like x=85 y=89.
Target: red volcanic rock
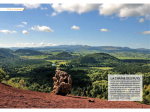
x=62 y=82
x=17 y=98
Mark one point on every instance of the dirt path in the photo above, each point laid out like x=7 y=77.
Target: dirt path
x=16 y=98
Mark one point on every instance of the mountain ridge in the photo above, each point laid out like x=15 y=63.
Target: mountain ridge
x=85 y=47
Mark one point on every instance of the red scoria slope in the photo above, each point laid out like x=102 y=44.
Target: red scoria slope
x=16 y=98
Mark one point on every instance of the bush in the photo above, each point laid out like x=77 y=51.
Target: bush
x=146 y=95
x=2 y=75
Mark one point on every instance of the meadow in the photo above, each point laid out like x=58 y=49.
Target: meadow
x=91 y=68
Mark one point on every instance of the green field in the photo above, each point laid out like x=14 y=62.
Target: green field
x=133 y=58
x=58 y=62
x=35 y=57
x=91 y=68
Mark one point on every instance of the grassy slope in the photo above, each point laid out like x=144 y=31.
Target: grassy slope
x=91 y=68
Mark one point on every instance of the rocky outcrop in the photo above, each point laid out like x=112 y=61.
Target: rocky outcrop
x=62 y=82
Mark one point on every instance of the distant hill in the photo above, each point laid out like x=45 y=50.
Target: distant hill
x=27 y=52
x=63 y=56
x=6 y=53
x=96 y=59
x=7 y=50
x=77 y=48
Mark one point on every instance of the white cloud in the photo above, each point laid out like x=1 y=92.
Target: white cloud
x=24 y=23
x=1 y=45
x=30 y=5
x=33 y=28
x=41 y=44
x=7 y=31
x=124 y=10
x=120 y=10
x=24 y=44
x=147 y=16
x=19 y=44
x=42 y=28
x=50 y=44
x=20 y=26
x=141 y=20
x=109 y=9
x=104 y=30
x=14 y=32
x=146 y=32
x=5 y=45
x=79 y=8
x=25 y=32
x=53 y=14
x=32 y=44
x=43 y=8
x=137 y=44
x=75 y=27
x=27 y=43
x=73 y=42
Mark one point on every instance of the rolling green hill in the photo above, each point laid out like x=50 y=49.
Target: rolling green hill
x=96 y=59
x=6 y=53
x=63 y=56
x=28 y=52
x=119 y=52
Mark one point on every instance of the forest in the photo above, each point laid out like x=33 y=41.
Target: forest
x=32 y=69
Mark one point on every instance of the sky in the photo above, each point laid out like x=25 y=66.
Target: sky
x=124 y=25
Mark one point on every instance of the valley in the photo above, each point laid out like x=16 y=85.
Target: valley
x=33 y=68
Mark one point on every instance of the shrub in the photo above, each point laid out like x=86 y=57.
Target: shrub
x=2 y=75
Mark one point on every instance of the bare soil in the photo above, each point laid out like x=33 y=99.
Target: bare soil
x=17 y=98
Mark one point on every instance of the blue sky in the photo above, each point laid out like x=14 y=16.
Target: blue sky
x=71 y=24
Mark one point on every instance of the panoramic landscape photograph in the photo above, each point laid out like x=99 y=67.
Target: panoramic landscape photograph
x=59 y=55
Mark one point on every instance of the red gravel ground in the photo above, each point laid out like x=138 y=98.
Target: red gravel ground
x=16 y=98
